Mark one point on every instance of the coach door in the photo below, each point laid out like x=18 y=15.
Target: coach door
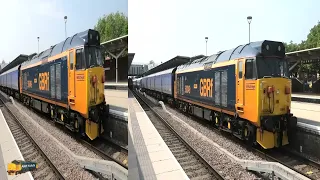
x=71 y=78
x=240 y=86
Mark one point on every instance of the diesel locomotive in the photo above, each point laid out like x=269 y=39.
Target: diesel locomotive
x=65 y=81
x=245 y=91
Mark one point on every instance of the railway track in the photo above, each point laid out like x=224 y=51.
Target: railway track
x=120 y=147
x=100 y=147
x=191 y=162
x=284 y=156
x=293 y=161
x=29 y=148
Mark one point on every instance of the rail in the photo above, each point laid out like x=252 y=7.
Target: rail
x=290 y=160
x=102 y=154
x=275 y=168
x=102 y=166
x=52 y=166
x=203 y=161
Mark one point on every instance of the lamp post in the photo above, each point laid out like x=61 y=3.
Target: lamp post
x=249 y=19
x=206 y=38
x=38 y=44
x=65 y=25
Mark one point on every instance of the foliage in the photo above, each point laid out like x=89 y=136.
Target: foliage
x=151 y=62
x=112 y=26
x=312 y=41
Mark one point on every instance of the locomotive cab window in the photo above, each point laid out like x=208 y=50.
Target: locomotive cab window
x=80 y=60
x=93 y=56
x=71 y=59
x=250 y=69
x=272 y=67
x=240 y=70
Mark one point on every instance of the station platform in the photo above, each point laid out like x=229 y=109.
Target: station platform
x=149 y=156
x=9 y=151
x=306 y=97
x=118 y=102
x=308 y=114
x=116 y=85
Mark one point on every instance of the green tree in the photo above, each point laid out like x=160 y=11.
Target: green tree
x=313 y=38
x=312 y=41
x=292 y=47
x=112 y=26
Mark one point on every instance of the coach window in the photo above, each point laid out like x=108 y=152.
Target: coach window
x=71 y=58
x=250 y=69
x=80 y=62
x=240 y=70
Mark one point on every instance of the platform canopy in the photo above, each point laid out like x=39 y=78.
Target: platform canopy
x=116 y=48
x=174 y=62
x=305 y=56
x=116 y=45
x=18 y=60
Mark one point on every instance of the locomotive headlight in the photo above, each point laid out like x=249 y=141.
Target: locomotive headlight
x=279 y=48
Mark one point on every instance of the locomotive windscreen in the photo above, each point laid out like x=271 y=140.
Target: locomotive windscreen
x=272 y=67
x=93 y=57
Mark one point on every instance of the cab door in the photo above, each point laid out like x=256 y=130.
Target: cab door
x=240 y=86
x=71 y=77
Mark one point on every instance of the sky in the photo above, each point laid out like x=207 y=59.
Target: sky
x=162 y=29
x=23 y=21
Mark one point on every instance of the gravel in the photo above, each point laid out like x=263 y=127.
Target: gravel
x=66 y=165
x=220 y=161
x=233 y=147
x=63 y=137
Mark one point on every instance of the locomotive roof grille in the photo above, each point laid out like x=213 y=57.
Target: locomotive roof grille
x=253 y=49
x=78 y=39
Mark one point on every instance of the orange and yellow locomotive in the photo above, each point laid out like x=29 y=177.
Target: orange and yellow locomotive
x=245 y=91
x=66 y=81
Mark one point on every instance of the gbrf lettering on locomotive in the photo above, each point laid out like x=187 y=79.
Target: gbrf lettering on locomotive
x=206 y=85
